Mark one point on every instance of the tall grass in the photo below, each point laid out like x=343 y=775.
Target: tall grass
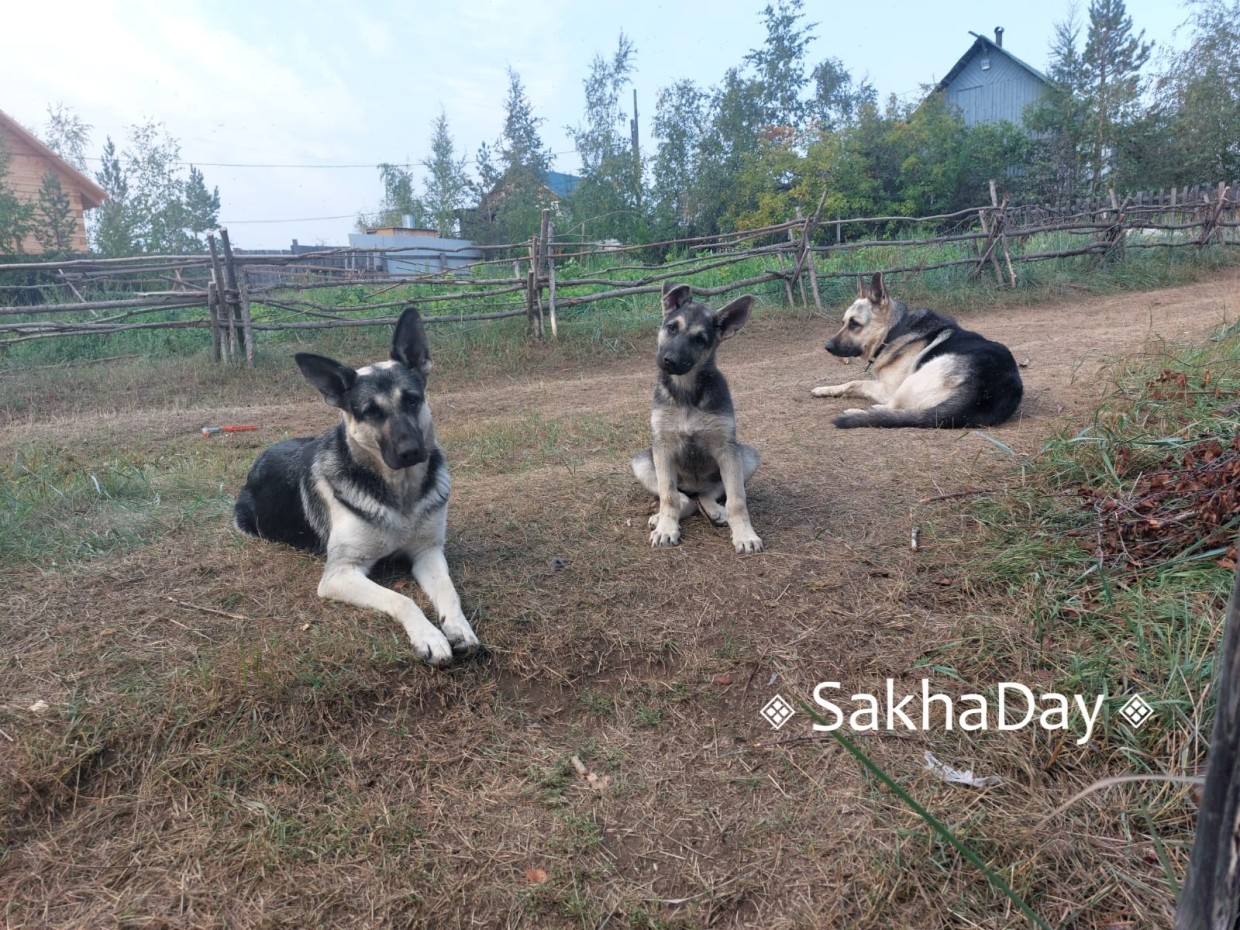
x=1103 y=624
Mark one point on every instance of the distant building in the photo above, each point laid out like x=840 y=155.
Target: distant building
x=561 y=186
x=556 y=186
x=29 y=162
x=989 y=84
x=413 y=251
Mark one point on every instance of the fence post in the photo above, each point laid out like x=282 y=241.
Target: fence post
x=550 y=277
x=241 y=309
x=1210 y=898
x=215 y=304
x=1211 y=217
x=813 y=277
x=247 y=328
x=222 y=310
x=797 y=263
x=533 y=300
x=988 y=249
x=540 y=275
x=213 y=313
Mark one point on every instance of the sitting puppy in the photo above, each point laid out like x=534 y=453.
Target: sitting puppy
x=929 y=371
x=374 y=486
x=695 y=461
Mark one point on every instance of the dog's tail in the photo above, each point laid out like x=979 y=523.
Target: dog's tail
x=244 y=518
x=964 y=411
x=893 y=419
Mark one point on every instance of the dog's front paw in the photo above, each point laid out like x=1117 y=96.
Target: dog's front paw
x=747 y=542
x=666 y=532
x=432 y=646
x=714 y=511
x=461 y=636
x=829 y=390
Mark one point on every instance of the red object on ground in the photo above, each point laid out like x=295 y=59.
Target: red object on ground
x=243 y=428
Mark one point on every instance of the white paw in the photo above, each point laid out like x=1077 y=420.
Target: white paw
x=852 y=411
x=460 y=635
x=826 y=391
x=653 y=521
x=747 y=541
x=665 y=533
x=431 y=645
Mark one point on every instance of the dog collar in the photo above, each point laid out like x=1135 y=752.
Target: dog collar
x=874 y=357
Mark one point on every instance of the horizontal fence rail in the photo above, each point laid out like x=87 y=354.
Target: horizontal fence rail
x=234 y=294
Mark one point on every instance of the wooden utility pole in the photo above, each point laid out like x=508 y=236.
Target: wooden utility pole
x=637 y=154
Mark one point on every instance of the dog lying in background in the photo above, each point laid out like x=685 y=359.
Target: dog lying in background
x=928 y=370
x=694 y=461
x=376 y=485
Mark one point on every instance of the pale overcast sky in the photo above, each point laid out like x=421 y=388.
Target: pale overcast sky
x=276 y=100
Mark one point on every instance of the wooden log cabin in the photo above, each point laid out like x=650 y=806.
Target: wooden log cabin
x=29 y=161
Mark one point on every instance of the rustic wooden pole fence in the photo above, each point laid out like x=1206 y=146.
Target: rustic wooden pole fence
x=107 y=296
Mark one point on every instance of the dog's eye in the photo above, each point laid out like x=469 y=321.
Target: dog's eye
x=701 y=339
x=371 y=412
x=411 y=402
x=672 y=328
x=853 y=324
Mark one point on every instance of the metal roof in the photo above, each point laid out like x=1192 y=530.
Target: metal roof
x=983 y=44
x=561 y=184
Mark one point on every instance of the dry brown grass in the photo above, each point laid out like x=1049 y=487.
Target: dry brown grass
x=222 y=749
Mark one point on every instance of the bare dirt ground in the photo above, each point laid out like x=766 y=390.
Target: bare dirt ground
x=222 y=749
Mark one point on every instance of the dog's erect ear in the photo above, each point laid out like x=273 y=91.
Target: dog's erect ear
x=409 y=345
x=675 y=296
x=333 y=379
x=732 y=317
x=877 y=292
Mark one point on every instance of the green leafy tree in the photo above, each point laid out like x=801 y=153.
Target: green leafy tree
x=16 y=215
x=399 y=201
x=780 y=65
x=510 y=211
x=487 y=171
x=112 y=229
x=202 y=206
x=1060 y=120
x=608 y=202
x=66 y=135
x=446 y=182
x=734 y=131
x=1113 y=59
x=756 y=124
x=679 y=125
x=152 y=207
x=837 y=100
x=916 y=160
x=1199 y=97
x=54 y=219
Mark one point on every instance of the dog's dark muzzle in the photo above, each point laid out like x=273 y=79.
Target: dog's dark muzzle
x=835 y=347
x=404 y=447
x=675 y=363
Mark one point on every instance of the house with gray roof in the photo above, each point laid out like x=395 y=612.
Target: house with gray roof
x=989 y=84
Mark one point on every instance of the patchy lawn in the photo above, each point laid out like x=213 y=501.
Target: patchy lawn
x=219 y=748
